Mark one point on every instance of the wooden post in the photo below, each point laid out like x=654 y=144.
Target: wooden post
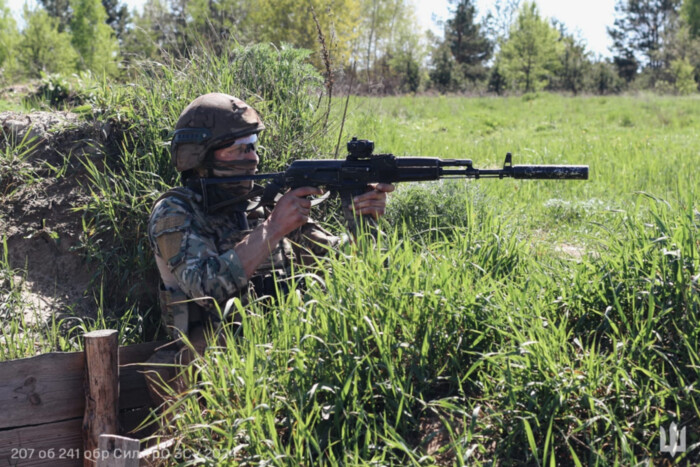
x=118 y=451
x=101 y=390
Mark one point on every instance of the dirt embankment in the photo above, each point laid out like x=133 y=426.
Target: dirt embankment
x=41 y=195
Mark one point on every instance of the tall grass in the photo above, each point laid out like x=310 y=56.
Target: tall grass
x=469 y=350
x=505 y=322
x=15 y=170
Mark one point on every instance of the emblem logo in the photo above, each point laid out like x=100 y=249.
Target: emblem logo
x=672 y=447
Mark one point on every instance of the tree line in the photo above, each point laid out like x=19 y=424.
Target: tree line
x=376 y=44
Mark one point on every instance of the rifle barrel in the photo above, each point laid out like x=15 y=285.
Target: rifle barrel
x=550 y=172
x=523 y=172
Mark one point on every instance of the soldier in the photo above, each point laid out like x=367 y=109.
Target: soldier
x=207 y=244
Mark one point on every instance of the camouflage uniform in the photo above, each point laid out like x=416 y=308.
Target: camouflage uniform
x=193 y=243
x=195 y=255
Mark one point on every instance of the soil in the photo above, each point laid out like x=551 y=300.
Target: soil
x=40 y=217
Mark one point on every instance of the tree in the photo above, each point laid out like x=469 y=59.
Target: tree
x=531 y=53
x=60 y=10
x=216 y=21
x=691 y=15
x=627 y=65
x=43 y=48
x=375 y=23
x=681 y=51
x=117 y=17
x=92 y=38
x=497 y=80
x=639 y=29
x=499 y=20
x=381 y=25
x=603 y=78
x=443 y=71
x=468 y=43
x=153 y=30
x=9 y=37
x=574 y=62
x=683 y=76
x=292 y=22
x=404 y=62
x=117 y=14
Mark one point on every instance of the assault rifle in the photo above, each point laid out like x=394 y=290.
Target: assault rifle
x=350 y=176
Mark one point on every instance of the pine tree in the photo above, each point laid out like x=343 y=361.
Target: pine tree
x=117 y=17
x=117 y=14
x=60 y=10
x=468 y=43
x=603 y=78
x=639 y=29
x=442 y=73
x=574 y=59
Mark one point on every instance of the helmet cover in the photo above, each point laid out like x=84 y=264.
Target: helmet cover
x=210 y=121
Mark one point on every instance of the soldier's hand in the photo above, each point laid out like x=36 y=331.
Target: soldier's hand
x=373 y=202
x=292 y=210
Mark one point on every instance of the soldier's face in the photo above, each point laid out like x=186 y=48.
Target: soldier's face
x=239 y=158
x=237 y=153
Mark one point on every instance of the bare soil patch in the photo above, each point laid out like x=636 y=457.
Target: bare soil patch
x=41 y=196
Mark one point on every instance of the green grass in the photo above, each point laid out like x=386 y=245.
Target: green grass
x=526 y=322
x=655 y=156
x=518 y=357
x=496 y=322
x=6 y=106
x=15 y=170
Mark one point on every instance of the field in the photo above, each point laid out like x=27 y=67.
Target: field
x=496 y=322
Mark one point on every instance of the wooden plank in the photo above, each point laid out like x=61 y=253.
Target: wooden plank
x=118 y=451
x=133 y=392
x=49 y=388
x=132 y=419
x=42 y=389
x=138 y=353
x=59 y=444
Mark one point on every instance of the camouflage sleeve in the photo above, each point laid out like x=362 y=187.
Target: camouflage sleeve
x=178 y=237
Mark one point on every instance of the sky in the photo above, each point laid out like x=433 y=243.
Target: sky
x=587 y=19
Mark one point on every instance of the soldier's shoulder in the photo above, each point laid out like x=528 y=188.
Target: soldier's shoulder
x=175 y=208
x=176 y=200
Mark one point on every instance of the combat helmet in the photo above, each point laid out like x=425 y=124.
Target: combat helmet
x=210 y=121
